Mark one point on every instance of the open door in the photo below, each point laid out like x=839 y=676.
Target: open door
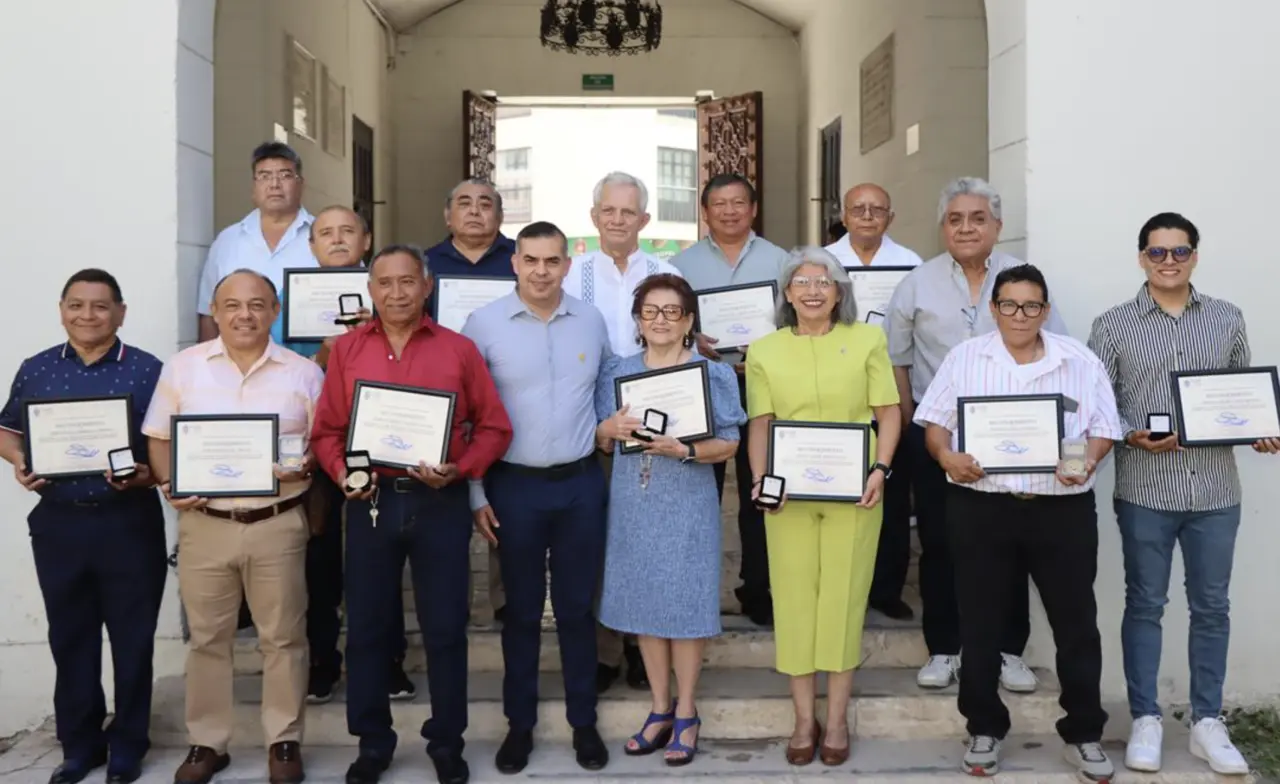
x=730 y=140
x=479 y=136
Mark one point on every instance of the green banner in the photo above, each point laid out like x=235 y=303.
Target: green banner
x=663 y=249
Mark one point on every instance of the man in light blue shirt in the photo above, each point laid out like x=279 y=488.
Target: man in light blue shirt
x=269 y=240
x=544 y=349
x=730 y=255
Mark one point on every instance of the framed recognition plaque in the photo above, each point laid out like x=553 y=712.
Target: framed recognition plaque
x=735 y=316
x=74 y=436
x=218 y=456
x=1226 y=407
x=820 y=461
x=1012 y=434
x=401 y=426
x=314 y=298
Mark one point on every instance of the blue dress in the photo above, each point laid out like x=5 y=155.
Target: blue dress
x=662 y=558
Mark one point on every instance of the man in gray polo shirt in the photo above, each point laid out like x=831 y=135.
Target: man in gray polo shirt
x=730 y=255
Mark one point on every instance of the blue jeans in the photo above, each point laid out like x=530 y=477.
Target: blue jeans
x=1208 y=541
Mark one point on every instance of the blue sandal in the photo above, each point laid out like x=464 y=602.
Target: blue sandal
x=643 y=745
x=681 y=725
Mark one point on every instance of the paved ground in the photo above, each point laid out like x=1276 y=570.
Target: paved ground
x=1027 y=761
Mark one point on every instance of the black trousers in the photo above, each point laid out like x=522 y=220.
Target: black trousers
x=893 y=554
x=755 y=553
x=324 y=588
x=432 y=528
x=940 y=617
x=556 y=525
x=101 y=566
x=1057 y=538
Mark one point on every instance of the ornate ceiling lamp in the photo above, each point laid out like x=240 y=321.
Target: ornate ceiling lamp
x=601 y=26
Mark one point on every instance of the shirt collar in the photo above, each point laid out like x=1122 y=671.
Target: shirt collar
x=113 y=354
x=252 y=223
x=425 y=324
x=1147 y=304
x=501 y=243
x=273 y=353
x=513 y=306
x=955 y=265
x=996 y=349
x=746 y=247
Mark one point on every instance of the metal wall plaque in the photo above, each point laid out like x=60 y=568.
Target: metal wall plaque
x=876 y=97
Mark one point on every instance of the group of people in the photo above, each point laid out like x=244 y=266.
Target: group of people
x=630 y=540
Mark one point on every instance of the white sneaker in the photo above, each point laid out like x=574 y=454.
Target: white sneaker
x=1145 y=739
x=982 y=758
x=939 y=672
x=1211 y=742
x=1015 y=675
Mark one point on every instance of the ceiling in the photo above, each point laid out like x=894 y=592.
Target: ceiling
x=403 y=14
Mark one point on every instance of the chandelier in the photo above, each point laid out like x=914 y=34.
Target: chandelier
x=596 y=26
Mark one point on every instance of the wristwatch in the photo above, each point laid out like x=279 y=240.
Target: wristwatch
x=692 y=456
x=888 y=472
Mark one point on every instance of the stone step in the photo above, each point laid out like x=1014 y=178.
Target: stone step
x=885 y=643
x=735 y=704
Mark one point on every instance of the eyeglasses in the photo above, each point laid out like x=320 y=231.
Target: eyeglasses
x=877 y=212
x=1008 y=307
x=672 y=312
x=804 y=282
x=280 y=176
x=1181 y=254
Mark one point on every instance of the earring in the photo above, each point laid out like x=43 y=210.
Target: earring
x=641 y=341
x=688 y=340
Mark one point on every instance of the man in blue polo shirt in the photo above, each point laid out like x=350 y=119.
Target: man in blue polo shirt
x=475 y=246
x=98 y=542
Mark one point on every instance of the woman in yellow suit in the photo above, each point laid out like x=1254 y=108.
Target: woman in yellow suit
x=821 y=366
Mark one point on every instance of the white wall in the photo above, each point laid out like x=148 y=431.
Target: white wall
x=566 y=161
x=1115 y=137
x=94 y=175
x=251 y=90
x=493 y=45
x=940 y=61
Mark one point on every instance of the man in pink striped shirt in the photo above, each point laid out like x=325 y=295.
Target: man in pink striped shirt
x=1038 y=510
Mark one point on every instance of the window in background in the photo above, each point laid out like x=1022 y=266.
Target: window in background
x=303 y=91
x=677 y=185
x=515 y=185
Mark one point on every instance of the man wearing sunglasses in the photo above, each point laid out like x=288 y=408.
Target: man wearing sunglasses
x=1166 y=494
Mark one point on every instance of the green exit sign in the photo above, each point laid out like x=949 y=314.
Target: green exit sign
x=597 y=82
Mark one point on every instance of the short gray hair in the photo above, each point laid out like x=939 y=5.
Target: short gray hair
x=846 y=310
x=969 y=186
x=620 y=178
x=497 y=194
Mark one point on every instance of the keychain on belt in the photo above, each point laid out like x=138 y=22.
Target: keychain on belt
x=373 y=506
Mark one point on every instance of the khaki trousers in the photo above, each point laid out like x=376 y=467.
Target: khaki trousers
x=222 y=562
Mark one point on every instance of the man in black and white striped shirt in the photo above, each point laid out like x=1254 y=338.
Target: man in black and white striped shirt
x=1167 y=494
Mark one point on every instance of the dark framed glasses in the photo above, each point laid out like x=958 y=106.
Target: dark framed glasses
x=1180 y=254
x=1008 y=307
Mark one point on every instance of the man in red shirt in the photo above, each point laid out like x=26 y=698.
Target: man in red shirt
x=421 y=513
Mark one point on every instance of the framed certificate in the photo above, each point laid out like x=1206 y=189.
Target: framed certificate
x=401 y=426
x=873 y=287
x=312 y=297
x=682 y=392
x=73 y=436
x=457 y=296
x=219 y=456
x=820 y=461
x=1226 y=407
x=1012 y=434
x=737 y=315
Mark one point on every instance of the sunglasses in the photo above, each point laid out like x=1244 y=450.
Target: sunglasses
x=1180 y=254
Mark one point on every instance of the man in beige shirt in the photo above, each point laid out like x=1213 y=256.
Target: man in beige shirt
x=234 y=548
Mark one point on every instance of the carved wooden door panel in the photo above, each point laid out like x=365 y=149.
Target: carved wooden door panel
x=479 y=136
x=730 y=140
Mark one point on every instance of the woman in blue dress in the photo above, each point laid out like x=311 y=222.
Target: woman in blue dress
x=662 y=559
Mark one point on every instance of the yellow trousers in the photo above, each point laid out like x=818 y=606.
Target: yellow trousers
x=821 y=559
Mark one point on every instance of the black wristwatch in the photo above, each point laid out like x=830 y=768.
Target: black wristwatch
x=692 y=456
x=886 y=470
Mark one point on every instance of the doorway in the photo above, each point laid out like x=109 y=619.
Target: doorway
x=362 y=200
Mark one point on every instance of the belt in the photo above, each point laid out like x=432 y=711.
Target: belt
x=247 y=516
x=554 y=473
x=1025 y=496
x=402 y=484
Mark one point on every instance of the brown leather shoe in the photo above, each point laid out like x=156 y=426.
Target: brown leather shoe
x=832 y=757
x=200 y=765
x=803 y=755
x=284 y=763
